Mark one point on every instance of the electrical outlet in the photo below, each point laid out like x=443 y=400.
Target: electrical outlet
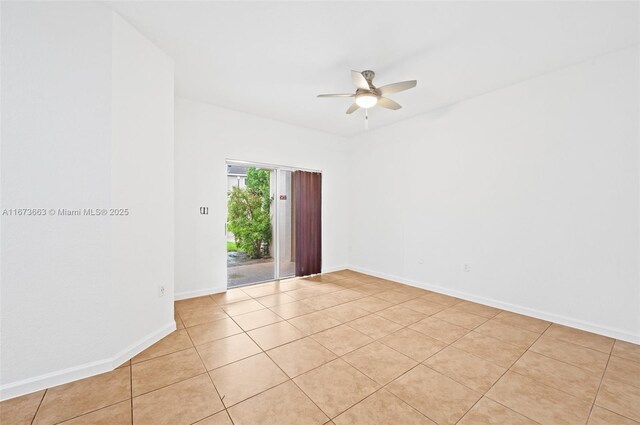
x=161 y=291
x=467 y=267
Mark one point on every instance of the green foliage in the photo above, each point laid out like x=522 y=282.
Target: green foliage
x=231 y=246
x=250 y=214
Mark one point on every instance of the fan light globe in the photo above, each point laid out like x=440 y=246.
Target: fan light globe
x=366 y=100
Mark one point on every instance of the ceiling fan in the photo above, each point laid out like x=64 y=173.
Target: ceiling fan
x=367 y=95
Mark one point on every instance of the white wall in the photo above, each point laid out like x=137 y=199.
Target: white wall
x=73 y=136
x=142 y=243
x=535 y=186
x=205 y=137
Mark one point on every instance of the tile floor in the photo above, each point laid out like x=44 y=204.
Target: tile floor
x=346 y=348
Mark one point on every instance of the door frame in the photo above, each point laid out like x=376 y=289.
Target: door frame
x=277 y=170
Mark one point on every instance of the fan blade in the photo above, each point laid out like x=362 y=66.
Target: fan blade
x=396 y=87
x=353 y=108
x=336 y=95
x=388 y=103
x=359 y=81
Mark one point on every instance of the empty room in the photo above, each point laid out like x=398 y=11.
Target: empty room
x=320 y=213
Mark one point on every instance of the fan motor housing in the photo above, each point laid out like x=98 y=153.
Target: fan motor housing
x=368 y=75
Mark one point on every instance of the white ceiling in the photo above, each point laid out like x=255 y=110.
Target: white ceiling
x=273 y=58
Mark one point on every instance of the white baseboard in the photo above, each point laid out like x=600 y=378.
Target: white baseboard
x=216 y=290
x=543 y=315
x=334 y=269
x=199 y=293
x=139 y=346
x=48 y=380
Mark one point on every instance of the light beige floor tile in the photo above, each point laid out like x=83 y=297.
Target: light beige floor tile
x=321 y=302
x=275 y=299
x=530 y=324
x=460 y=318
x=224 y=351
x=443 y=299
x=289 y=284
x=600 y=416
x=488 y=412
x=554 y=373
x=207 y=332
x=507 y=333
x=79 y=397
x=619 y=398
x=539 y=402
x=335 y=386
x=369 y=289
x=175 y=341
x=242 y=307
x=328 y=288
x=165 y=370
x=382 y=408
x=416 y=292
x=438 y=397
x=395 y=297
x=314 y=322
x=193 y=304
x=342 y=339
x=467 y=369
x=591 y=360
x=624 y=370
x=300 y=356
x=576 y=336
x=232 y=296
x=345 y=312
x=284 y=404
x=348 y=283
x=347 y=295
x=240 y=380
x=256 y=291
x=178 y=320
x=439 y=329
x=478 y=309
x=221 y=418
x=117 y=414
x=182 y=403
x=20 y=410
x=304 y=293
x=413 y=344
x=256 y=319
x=491 y=349
x=374 y=326
x=271 y=336
x=202 y=315
x=371 y=304
x=290 y=310
x=379 y=362
x=627 y=350
x=425 y=307
x=401 y=315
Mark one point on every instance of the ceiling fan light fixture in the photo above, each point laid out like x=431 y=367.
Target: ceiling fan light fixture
x=366 y=100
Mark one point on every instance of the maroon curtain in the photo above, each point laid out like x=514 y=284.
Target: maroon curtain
x=307 y=192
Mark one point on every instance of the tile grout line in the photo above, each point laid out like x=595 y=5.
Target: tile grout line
x=601 y=379
x=38 y=408
x=211 y=380
x=131 y=386
x=506 y=371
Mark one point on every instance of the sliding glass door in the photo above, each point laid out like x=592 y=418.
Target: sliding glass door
x=285 y=224
x=249 y=230
x=261 y=243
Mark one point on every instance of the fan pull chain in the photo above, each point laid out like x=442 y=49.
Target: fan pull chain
x=366 y=119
